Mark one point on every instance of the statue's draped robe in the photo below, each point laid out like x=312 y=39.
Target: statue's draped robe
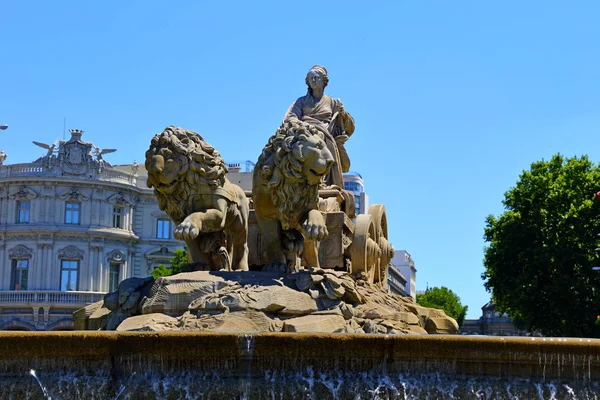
x=336 y=126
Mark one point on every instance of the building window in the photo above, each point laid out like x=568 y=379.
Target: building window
x=117 y=221
x=113 y=277
x=353 y=187
x=69 y=270
x=163 y=228
x=19 y=274
x=23 y=208
x=72 y=212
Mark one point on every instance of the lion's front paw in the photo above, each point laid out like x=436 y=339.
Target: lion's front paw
x=189 y=229
x=315 y=227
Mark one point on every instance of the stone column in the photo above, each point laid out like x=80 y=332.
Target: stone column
x=93 y=255
x=126 y=214
x=5 y=267
x=47 y=283
x=53 y=210
x=11 y=211
x=97 y=268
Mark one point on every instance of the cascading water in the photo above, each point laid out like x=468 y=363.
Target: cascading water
x=90 y=365
x=245 y=367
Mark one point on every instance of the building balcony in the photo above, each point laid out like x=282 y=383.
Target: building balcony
x=26 y=298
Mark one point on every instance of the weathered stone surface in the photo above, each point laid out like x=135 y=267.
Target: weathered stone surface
x=441 y=325
x=81 y=316
x=353 y=327
x=376 y=311
x=328 y=286
x=280 y=300
x=315 y=323
x=222 y=323
x=125 y=301
x=416 y=330
x=150 y=322
x=96 y=320
x=172 y=295
x=273 y=302
x=409 y=318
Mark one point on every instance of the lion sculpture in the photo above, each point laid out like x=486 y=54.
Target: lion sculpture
x=285 y=193
x=211 y=214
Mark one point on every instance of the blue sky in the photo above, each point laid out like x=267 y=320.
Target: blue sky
x=452 y=100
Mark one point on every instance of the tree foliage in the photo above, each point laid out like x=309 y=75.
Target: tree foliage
x=540 y=251
x=179 y=259
x=444 y=299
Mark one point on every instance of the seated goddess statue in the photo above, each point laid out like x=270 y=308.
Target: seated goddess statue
x=329 y=116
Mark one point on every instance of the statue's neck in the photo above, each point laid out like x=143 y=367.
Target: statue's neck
x=317 y=94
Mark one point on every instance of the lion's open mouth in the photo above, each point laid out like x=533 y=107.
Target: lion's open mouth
x=315 y=173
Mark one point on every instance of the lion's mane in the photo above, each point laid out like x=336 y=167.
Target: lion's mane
x=200 y=165
x=280 y=165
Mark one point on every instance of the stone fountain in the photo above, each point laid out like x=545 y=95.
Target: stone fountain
x=283 y=297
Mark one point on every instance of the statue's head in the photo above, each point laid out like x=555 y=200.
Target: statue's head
x=316 y=78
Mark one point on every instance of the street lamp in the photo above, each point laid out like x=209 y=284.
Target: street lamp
x=3 y=127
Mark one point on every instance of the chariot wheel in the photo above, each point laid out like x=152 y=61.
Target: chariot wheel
x=364 y=253
x=379 y=216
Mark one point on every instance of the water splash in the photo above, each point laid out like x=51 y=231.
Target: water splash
x=44 y=391
x=120 y=392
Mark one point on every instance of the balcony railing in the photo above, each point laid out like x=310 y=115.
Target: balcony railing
x=107 y=174
x=26 y=297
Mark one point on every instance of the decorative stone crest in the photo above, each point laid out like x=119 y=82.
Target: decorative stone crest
x=74 y=156
x=71 y=252
x=116 y=256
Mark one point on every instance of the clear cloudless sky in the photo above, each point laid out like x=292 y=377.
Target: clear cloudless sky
x=452 y=99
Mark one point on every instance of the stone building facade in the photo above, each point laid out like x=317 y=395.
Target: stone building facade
x=71 y=227
x=492 y=323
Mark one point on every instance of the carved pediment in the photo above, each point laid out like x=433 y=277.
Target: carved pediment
x=22 y=192
x=120 y=199
x=71 y=252
x=160 y=214
x=74 y=194
x=160 y=253
x=20 y=251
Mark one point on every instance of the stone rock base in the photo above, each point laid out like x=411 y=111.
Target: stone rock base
x=312 y=301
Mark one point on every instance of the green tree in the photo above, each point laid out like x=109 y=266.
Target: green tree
x=540 y=251
x=179 y=259
x=444 y=299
